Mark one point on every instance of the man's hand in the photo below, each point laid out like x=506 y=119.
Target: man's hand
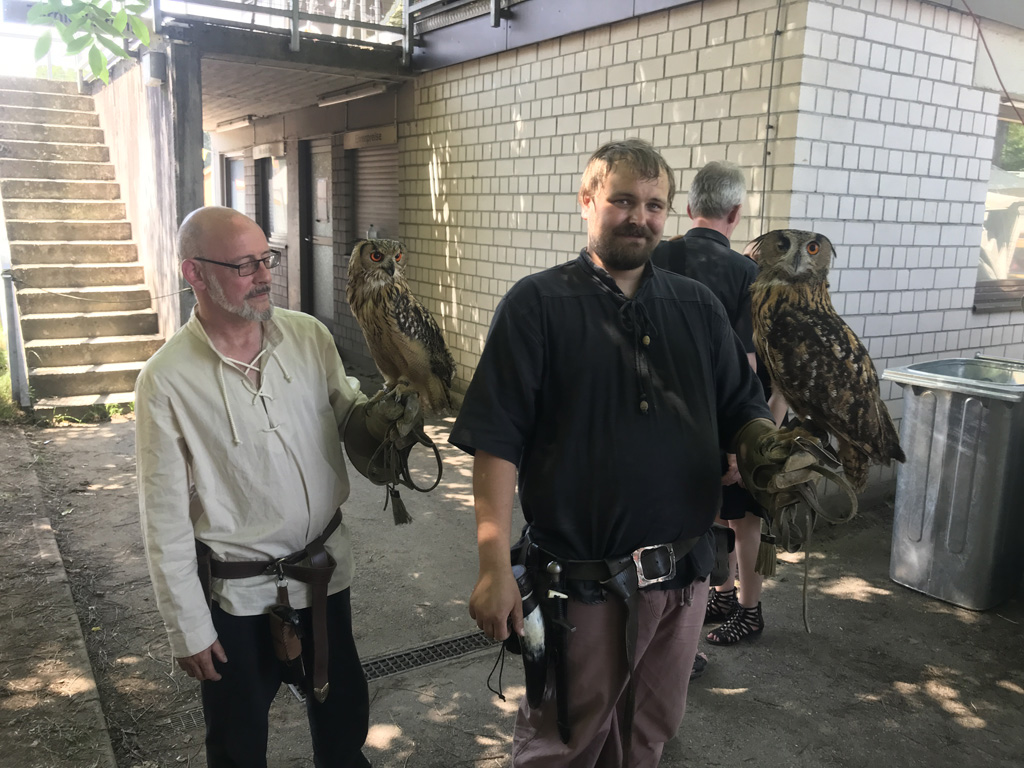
x=732 y=473
x=781 y=468
x=200 y=666
x=399 y=408
x=390 y=423
x=495 y=602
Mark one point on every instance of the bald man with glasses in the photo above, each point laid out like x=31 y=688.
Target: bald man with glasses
x=240 y=419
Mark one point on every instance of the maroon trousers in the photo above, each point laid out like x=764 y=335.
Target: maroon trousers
x=670 y=624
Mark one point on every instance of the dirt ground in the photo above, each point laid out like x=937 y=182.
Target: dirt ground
x=888 y=677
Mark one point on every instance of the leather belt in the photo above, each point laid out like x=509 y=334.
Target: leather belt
x=317 y=571
x=624 y=577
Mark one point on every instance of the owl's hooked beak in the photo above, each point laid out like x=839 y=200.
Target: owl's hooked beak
x=390 y=267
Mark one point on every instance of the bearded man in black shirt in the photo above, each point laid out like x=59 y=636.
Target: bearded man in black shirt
x=606 y=388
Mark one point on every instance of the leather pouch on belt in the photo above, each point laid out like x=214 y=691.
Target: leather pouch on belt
x=286 y=633
x=725 y=542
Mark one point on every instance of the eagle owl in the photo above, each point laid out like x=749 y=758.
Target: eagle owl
x=815 y=361
x=404 y=340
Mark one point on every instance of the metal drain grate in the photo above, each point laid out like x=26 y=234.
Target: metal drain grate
x=187 y=721
x=375 y=668
x=421 y=656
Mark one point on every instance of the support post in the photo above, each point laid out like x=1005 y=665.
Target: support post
x=187 y=127
x=407 y=37
x=294 y=44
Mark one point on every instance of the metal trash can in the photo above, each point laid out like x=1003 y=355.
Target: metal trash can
x=958 y=530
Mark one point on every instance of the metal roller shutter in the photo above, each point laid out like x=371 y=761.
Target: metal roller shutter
x=376 y=190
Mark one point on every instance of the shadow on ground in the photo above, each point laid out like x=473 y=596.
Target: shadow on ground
x=887 y=676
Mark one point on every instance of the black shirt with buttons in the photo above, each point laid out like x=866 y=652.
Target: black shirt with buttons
x=613 y=409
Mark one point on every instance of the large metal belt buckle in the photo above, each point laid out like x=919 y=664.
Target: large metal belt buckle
x=642 y=579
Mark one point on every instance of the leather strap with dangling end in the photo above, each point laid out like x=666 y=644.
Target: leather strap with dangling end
x=624 y=577
x=311 y=565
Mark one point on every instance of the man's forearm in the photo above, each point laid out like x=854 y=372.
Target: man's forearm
x=494 y=484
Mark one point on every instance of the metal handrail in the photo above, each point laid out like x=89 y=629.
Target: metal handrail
x=293 y=13
x=12 y=322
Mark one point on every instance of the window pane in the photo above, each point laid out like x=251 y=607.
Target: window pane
x=278 y=186
x=1002 y=239
x=236 y=184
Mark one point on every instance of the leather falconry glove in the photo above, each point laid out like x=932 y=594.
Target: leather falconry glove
x=780 y=468
x=380 y=435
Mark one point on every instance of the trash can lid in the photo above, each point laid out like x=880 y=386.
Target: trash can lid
x=980 y=377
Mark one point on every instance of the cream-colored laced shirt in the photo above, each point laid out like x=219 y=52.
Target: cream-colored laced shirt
x=253 y=472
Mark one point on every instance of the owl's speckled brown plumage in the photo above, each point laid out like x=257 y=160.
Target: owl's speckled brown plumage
x=404 y=339
x=815 y=361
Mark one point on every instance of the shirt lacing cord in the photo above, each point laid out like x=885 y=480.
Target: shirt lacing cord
x=637 y=322
x=257 y=393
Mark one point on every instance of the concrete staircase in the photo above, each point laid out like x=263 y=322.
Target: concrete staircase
x=86 y=313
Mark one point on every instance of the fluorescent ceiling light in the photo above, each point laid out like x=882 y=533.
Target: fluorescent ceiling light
x=239 y=122
x=350 y=94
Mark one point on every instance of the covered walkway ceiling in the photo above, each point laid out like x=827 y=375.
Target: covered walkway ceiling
x=254 y=73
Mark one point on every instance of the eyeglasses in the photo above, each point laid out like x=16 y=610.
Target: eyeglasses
x=247 y=267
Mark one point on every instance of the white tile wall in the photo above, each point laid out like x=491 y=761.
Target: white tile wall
x=878 y=140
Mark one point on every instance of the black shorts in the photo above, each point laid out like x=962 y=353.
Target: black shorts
x=737 y=503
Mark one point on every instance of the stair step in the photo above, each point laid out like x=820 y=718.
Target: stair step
x=11 y=168
x=37 y=85
x=68 y=326
x=35 y=189
x=78 y=275
x=69 y=230
x=72 y=134
x=80 y=252
x=82 y=406
x=44 y=150
x=43 y=116
x=84 y=379
x=64 y=210
x=82 y=350
x=68 y=101
x=34 y=301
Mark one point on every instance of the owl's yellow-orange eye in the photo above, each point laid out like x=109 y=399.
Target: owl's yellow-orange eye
x=813 y=248
x=398 y=257
x=376 y=256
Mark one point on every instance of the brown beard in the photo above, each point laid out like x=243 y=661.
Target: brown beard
x=618 y=255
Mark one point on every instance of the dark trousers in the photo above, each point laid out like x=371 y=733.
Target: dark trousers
x=236 y=706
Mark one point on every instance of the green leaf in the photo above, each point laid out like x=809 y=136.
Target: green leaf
x=79 y=44
x=96 y=62
x=43 y=45
x=121 y=20
x=108 y=7
x=76 y=24
x=112 y=47
x=103 y=25
x=38 y=13
x=140 y=29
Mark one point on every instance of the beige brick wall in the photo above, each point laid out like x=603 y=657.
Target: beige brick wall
x=877 y=139
x=491 y=164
